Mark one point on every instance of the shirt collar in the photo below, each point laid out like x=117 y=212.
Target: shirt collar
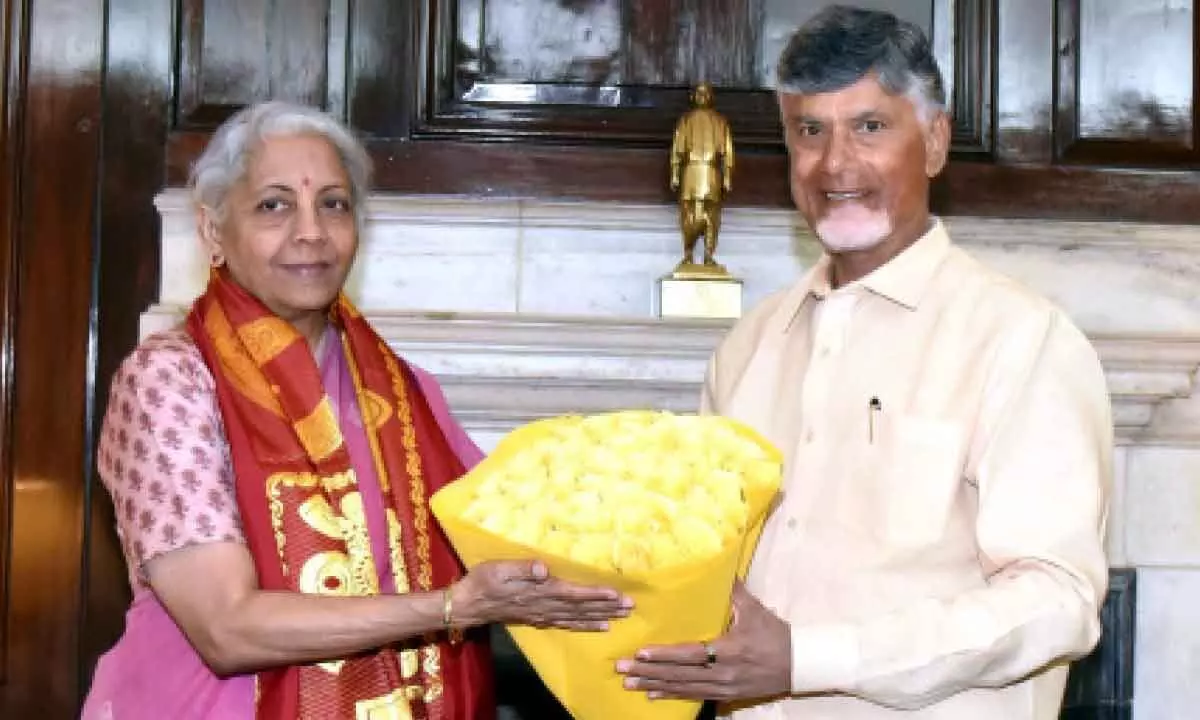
x=903 y=279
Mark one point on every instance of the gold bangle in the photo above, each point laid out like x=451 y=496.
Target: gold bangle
x=454 y=635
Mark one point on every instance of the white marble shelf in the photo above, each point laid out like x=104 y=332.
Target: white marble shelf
x=500 y=369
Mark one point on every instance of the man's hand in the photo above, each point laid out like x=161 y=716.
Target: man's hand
x=753 y=660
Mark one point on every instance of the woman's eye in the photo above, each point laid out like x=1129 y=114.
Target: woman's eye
x=271 y=205
x=337 y=203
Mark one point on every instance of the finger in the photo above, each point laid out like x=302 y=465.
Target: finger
x=572 y=614
x=581 y=625
x=697 y=693
x=600 y=610
x=640 y=672
x=685 y=654
x=659 y=690
x=606 y=607
x=516 y=571
x=562 y=590
x=744 y=602
x=740 y=593
x=538 y=570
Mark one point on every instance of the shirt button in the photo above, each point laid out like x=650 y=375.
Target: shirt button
x=825 y=351
x=791 y=523
x=808 y=436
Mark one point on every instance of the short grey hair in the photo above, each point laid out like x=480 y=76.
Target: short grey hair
x=223 y=162
x=841 y=44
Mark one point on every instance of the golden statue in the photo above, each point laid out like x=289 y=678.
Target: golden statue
x=702 y=174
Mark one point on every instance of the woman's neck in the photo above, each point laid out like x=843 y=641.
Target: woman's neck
x=312 y=327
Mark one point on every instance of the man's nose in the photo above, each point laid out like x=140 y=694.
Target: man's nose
x=837 y=152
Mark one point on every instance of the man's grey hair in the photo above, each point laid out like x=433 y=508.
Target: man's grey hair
x=224 y=161
x=841 y=44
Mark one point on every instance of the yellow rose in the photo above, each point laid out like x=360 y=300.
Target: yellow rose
x=633 y=491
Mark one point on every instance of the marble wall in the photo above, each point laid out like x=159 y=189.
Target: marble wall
x=526 y=309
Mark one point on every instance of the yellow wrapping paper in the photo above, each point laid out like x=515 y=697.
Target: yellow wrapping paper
x=685 y=603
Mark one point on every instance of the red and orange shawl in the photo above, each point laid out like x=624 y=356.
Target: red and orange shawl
x=303 y=516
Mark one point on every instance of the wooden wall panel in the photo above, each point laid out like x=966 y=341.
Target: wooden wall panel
x=1125 y=83
x=11 y=96
x=1025 y=71
x=59 y=131
x=138 y=91
x=386 y=89
x=236 y=52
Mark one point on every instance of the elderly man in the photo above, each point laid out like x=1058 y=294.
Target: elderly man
x=937 y=551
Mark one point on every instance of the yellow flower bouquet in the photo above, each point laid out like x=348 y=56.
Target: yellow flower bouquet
x=666 y=508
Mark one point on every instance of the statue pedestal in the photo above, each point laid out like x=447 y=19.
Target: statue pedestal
x=699 y=297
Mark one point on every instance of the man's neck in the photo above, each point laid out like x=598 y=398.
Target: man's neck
x=848 y=267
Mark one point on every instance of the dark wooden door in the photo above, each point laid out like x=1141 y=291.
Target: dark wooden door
x=53 y=52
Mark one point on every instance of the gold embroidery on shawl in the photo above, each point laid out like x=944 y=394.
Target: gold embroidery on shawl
x=409 y=664
x=358 y=576
x=393 y=706
x=275 y=484
x=327 y=573
x=348 y=526
x=236 y=364
x=430 y=654
x=395 y=540
x=318 y=514
x=339 y=481
x=319 y=433
x=433 y=671
x=266 y=337
x=375 y=410
x=413 y=466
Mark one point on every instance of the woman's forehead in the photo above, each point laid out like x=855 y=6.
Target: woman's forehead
x=296 y=157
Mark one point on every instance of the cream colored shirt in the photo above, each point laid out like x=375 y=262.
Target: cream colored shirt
x=938 y=546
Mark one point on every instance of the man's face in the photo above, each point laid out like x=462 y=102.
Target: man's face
x=861 y=160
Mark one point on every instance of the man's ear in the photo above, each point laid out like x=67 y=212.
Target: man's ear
x=937 y=143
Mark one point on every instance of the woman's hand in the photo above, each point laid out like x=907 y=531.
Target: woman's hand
x=522 y=592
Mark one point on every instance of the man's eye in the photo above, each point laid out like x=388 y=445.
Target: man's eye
x=808 y=130
x=872 y=126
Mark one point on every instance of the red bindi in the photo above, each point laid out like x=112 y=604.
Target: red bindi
x=305 y=182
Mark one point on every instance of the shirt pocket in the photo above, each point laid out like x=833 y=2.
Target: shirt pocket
x=911 y=479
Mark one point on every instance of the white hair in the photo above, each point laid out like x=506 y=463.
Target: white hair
x=223 y=162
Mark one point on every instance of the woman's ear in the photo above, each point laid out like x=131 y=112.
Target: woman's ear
x=209 y=231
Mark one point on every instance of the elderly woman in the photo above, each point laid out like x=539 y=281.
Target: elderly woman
x=271 y=463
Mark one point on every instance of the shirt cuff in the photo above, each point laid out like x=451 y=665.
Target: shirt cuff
x=825 y=658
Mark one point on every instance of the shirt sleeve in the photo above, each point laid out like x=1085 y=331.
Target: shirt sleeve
x=1041 y=459
x=461 y=443
x=162 y=454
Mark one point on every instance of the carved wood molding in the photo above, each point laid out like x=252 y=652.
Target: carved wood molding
x=519 y=170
